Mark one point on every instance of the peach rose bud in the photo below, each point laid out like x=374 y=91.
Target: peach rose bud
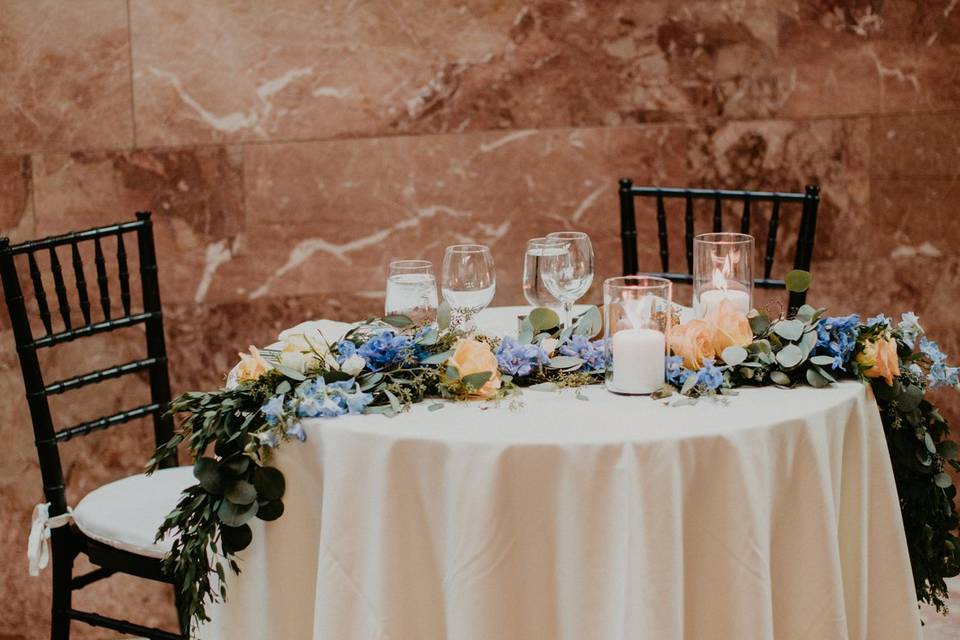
x=731 y=327
x=879 y=359
x=472 y=356
x=693 y=342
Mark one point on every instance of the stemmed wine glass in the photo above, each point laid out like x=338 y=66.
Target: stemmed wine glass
x=534 y=289
x=412 y=290
x=568 y=268
x=468 y=281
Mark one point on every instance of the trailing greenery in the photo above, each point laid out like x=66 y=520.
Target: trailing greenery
x=386 y=365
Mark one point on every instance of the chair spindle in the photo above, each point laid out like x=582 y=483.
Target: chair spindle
x=689 y=233
x=745 y=219
x=662 y=229
x=81 y=283
x=40 y=293
x=124 y=275
x=102 y=283
x=61 y=289
x=717 y=216
x=772 y=240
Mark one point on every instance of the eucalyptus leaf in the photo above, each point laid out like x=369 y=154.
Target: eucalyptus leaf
x=542 y=319
x=814 y=379
x=269 y=483
x=235 y=539
x=910 y=398
x=826 y=374
x=282 y=388
x=948 y=449
x=435 y=406
x=790 y=356
x=806 y=313
x=476 y=380
x=564 y=362
x=235 y=465
x=823 y=361
x=734 y=355
x=429 y=337
x=789 y=329
x=688 y=385
x=798 y=280
x=206 y=471
x=394 y=401
x=808 y=342
x=943 y=480
x=452 y=372
x=589 y=323
x=271 y=510
x=525 y=336
x=240 y=492
x=928 y=441
x=443 y=315
x=759 y=322
x=369 y=381
x=779 y=377
x=397 y=320
x=234 y=515
x=438 y=358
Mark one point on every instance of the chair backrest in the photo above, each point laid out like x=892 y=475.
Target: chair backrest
x=807 y=203
x=47 y=437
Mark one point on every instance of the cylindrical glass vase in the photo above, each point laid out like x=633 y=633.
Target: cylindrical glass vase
x=722 y=272
x=636 y=321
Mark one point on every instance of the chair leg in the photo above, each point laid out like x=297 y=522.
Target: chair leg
x=181 y=619
x=62 y=596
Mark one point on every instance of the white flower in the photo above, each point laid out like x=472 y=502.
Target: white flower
x=298 y=361
x=353 y=365
x=549 y=345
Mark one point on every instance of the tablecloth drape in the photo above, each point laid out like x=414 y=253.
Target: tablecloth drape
x=772 y=516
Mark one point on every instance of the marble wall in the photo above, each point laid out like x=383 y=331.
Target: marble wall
x=289 y=148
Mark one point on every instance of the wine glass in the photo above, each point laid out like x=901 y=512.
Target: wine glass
x=468 y=282
x=534 y=289
x=412 y=290
x=568 y=268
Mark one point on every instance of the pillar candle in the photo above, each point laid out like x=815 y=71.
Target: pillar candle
x=638 y=361
x=711 y=299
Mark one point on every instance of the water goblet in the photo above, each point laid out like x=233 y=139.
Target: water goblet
x=412 y=290
x=468 y=281
x=534 y=289
x=568 y=268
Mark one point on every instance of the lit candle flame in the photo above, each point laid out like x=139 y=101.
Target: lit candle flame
x=725 y=270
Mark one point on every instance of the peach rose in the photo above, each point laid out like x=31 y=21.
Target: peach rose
x=251 y=366
x=693 y=341
x=472 y=356
x=731 y=327
x=879 y=359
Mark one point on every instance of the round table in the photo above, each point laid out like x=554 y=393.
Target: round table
x=582 y=516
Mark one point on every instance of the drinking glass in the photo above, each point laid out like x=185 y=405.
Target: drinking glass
x=534 y=289
x=568 y=268
x=468 y=282
x=412 y=290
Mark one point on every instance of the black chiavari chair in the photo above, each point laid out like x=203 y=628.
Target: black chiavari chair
x=98 y=529
x=808 y=202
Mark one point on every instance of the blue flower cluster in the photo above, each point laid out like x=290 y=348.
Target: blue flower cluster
x=909 y=328
x=709 y=376
x=384 y=349
x=518 y=359
x=315 y=399
x=940 y=373
x=590 y=352
x=837 y=337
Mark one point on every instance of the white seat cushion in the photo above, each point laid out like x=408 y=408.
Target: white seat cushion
x=127 y=513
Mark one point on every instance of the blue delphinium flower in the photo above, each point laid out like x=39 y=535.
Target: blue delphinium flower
x=709 y=376
x=837 y=337
x=295 y=430
x=385 y=349
x=940 y=373
x=518 y=359
x=677 y=374
x=316 y=399
x=345 y=349
x=273 y=409
x=909 y=328
x=879 y=320
x=590 y=352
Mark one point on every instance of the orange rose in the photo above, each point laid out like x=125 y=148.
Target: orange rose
x=879 y=359
x=693 y=342
x=731 y=327
x=472 y=356
x=251 y=366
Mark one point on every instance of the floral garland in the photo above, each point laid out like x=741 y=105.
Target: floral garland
x=385 y=365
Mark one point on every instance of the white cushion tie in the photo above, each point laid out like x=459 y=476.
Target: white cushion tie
x=38 y=545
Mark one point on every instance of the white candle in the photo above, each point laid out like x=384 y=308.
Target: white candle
x=711 y=299
x=638 y=361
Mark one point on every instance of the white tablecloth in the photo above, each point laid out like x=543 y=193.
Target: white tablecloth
x=613 y=518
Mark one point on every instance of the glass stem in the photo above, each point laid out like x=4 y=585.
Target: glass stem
x=567 y=314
